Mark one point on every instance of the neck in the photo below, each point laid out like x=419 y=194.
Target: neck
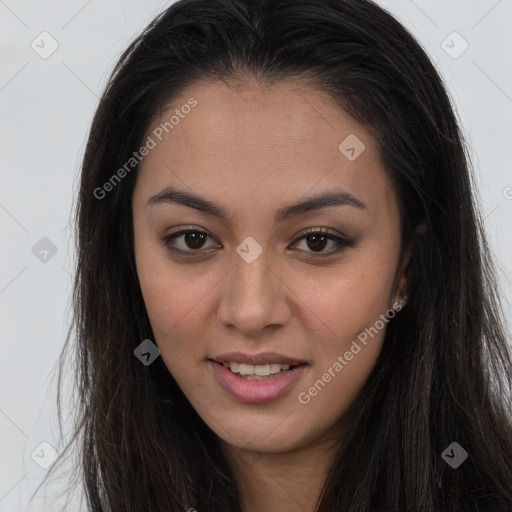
x=287 y=481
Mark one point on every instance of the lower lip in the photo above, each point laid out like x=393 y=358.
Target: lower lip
x=255 y=391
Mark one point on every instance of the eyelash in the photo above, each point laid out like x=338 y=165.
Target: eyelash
x=343 y=243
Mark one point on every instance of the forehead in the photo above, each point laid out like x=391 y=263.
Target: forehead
x=261 y=141
x=287 y=113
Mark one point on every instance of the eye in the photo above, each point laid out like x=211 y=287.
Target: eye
x=318 y=239
x=193 y=241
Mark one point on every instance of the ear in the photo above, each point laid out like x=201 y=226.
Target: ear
x=401 y=283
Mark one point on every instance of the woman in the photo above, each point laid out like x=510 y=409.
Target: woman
x=284 y=299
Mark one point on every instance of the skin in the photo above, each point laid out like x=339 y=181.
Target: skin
x=254 y=149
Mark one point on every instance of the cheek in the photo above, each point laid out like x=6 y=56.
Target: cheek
x=346 y=353
x=325 y=398
x=345 y=304
x=175 y=304
x=349 y=318
x=169 y=293
x=349 y=338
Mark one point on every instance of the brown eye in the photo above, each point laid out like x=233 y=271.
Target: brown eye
x=194 y=239
x=317 y=240
x=191 y=240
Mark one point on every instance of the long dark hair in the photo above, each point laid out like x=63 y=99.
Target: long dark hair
x=444 y=374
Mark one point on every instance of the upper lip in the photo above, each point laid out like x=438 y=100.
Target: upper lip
x=256 y=359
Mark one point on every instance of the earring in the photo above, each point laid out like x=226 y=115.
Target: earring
x=404 y=300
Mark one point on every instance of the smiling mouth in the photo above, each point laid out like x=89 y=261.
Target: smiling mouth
x=256 y=383
x=257 y=372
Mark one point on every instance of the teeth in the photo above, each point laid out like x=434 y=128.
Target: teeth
x=276 y=367
x=246 y=369
x=259 y=370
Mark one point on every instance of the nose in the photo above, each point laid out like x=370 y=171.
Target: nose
x=253 y=297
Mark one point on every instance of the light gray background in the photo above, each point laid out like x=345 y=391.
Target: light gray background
x=46 y=107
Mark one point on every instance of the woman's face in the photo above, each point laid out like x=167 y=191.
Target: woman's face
x=249 y=286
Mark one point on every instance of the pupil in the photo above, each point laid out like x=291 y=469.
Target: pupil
x=318 y=242
x=194 y=240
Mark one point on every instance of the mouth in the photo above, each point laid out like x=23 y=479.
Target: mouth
x=259 y=371
x=256 y=378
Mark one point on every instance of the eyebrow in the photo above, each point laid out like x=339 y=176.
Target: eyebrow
x=331 y=198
